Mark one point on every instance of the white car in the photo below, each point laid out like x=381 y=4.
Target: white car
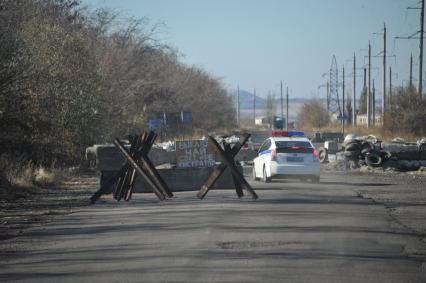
x=287 y=154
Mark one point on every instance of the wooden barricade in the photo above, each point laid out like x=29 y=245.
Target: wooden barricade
x=227 y=154
x=137 y=163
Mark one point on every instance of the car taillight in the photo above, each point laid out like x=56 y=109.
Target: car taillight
x=316 y=155
x=274 y=155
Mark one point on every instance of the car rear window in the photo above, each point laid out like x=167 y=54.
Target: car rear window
x=294 y=147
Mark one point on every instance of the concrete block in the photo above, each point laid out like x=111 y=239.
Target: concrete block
x=188 y=179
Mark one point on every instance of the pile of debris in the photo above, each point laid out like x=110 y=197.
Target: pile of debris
x=373 y=152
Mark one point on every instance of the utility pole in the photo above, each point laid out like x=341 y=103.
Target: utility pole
x=238 y=106
x=411 y=71
x=384 y=75
x=422 y=14
x=390 y=89
x=282 y=114
x=328 y=96
x=343 y=102
x=365 y=78
x=421 y=32
x=364 y=89
x=354 y=96
x=286 y=112
x=254 y=106
x=369 y=87
x=373 y=105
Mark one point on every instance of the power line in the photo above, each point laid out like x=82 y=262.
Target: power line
x=422 y=14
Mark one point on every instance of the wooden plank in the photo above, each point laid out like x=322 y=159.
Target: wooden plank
x=120 y=185
x=139 y=170
x=218 y=171
x=158 y=180
x=123 y=184
x=147 y=163
x=238 y=187
x=129 y=193
x=105 y=188
x=129 y=178
x=230 y=163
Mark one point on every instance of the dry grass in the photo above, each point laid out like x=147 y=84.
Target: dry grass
x=25 y=174
x=49 y=177
x=17 y=171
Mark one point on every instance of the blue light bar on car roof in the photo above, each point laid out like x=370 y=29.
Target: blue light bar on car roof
x=287 y=134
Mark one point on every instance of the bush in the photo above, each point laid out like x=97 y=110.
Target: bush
x=407 y=112
x=71 y=77
x=313 y=115
x=19 y=172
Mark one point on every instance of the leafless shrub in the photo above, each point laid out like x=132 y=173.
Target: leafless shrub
x=313 y=115
x=407 y=112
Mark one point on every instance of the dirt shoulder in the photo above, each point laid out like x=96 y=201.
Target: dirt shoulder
x=29 y=208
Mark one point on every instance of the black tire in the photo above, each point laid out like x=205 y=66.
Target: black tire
x=422 y=151
x=373 y=160
x=265 y=177
x=366 y=147
x=351 y=154
x=385 y=155
x=365 y=151
x=254 y=178
x=352 y=147
x=323 y=155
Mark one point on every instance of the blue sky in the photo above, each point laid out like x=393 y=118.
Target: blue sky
x=255 y=44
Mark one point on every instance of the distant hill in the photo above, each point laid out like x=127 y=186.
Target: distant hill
x=246 y=105
x=246 y=100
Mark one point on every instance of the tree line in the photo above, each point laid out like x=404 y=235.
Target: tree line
x=72 y=76
x=406 y=112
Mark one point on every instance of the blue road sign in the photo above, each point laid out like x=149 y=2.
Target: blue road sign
x=186 y=117
x=341 y=118
x=155 y=124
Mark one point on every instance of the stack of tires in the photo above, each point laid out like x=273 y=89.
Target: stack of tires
x=365 y=151
x=352 y=149
x=371 y=154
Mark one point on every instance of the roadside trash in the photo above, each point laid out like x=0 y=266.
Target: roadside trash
x=371 y=151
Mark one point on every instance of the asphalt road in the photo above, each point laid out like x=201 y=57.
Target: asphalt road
x=295 y=232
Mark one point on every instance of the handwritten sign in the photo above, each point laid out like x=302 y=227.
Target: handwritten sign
x=194 y=153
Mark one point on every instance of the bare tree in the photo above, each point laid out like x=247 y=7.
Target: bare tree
x=313 y=115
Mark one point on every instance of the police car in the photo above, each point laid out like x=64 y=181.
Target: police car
x=287 y=154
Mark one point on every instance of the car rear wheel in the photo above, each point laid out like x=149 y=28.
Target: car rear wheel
x=265 y=177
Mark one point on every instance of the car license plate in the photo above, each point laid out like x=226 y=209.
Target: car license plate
x=294 y=159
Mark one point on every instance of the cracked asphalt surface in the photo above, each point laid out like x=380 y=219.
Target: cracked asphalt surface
x=349 y=228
